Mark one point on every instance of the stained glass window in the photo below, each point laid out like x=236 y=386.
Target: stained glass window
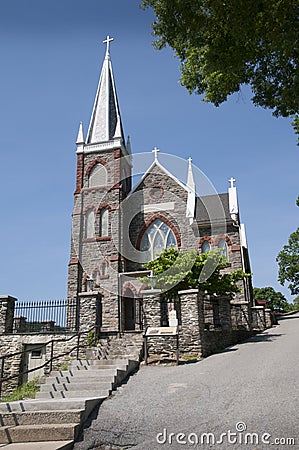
x=223 y=246
x=89 y=224
x=206 y=247
x=104 y=222
x=157 y=237
x=97 y=176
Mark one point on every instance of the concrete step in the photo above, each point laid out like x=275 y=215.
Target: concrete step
x=97 y=367
x=91 y=377
x=41 y=417
x=100 y=362
x=43 y=433
x=72 y=394
x=51 y=445
x=86 y=404
x=83 y=372
x=67 y=386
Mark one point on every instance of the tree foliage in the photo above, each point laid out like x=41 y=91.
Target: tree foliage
x=224 y=44
x=275 y=300
x=288 y=262
x=176 y=270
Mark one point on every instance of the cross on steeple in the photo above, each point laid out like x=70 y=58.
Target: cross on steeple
x=231 y=181
x=107 y=41
x=156 y=151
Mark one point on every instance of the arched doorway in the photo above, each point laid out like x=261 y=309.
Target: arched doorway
x=129 y=310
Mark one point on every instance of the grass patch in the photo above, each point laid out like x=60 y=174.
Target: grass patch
x=64 y=367
x=27 y=390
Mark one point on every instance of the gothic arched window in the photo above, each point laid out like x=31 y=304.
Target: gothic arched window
x=223 y=246
x=104 y=222
x=97 y=176
x=89 y=223
x=205 y=247
x=157 y=237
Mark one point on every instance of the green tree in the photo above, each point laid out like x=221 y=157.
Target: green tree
x=176 y=270
x=288 y=262
x=223 y=45
x=296 y=303
x=275 y=300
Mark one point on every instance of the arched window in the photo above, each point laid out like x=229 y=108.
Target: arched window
x=223 y=246
x=157 y=237
x=206 y=247
x=104 y=269
x=97 y=176
x=89 y=223
x=104 y=222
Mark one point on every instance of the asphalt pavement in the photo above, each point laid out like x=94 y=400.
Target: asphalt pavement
x=245 y=397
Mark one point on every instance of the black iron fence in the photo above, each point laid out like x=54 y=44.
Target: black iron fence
x=46 y=316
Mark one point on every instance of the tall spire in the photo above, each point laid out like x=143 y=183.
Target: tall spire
x=105 y=123
x=190 y=210
x=190 y=178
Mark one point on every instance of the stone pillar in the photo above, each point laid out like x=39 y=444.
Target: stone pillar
x=269 y=321
x=225 y=313
x=192 y=314
x=151 y=308
x=258 y=318
x=20 y=324
x=7 y=309
x=89 y=310
x=241 y=315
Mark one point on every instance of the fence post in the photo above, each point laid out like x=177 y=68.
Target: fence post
x=2 y=374
x=78 y=345
x=51 y=357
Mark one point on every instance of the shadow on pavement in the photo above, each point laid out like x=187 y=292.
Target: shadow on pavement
x=264 y=338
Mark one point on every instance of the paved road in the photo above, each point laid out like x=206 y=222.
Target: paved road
x=254 y=385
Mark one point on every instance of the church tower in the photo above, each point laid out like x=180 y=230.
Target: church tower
x=103 y=180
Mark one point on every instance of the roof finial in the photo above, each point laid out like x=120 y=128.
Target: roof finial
x=107 y=42
x=231 y=181
x=156 y=151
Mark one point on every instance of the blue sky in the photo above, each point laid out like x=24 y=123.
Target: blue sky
x=51 y=56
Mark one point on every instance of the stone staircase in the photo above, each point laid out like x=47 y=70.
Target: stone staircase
x=129 y=345
x=54 y=419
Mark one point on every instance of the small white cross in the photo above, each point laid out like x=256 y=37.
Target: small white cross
x=231 y=181
x=156 y=151
x=190 y=160
x=107 y=41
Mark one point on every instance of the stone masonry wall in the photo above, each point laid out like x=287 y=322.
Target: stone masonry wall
x=11 y=343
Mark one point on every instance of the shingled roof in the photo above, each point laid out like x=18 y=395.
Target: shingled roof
x=212 y=208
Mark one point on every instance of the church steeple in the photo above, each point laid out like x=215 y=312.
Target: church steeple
x=190 y=211
x=105 y=123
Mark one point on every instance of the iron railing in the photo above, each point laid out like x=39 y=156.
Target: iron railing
x=46 y=316
x=48 y=363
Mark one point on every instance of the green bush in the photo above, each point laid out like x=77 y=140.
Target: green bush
x=27 y=390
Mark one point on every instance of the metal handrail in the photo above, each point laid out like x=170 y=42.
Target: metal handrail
x=48 y=362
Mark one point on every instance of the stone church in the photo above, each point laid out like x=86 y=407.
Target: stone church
x=118 y=226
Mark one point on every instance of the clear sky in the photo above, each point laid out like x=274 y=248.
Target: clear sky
x=51 y=56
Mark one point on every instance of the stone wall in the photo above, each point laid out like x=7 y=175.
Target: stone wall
x=258 y=318
x=12 y=343
x=215 y=341
x=194 y=336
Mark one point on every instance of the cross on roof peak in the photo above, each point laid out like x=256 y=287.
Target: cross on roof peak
x=231 y=181
x=107 y=42
x=156 y=151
